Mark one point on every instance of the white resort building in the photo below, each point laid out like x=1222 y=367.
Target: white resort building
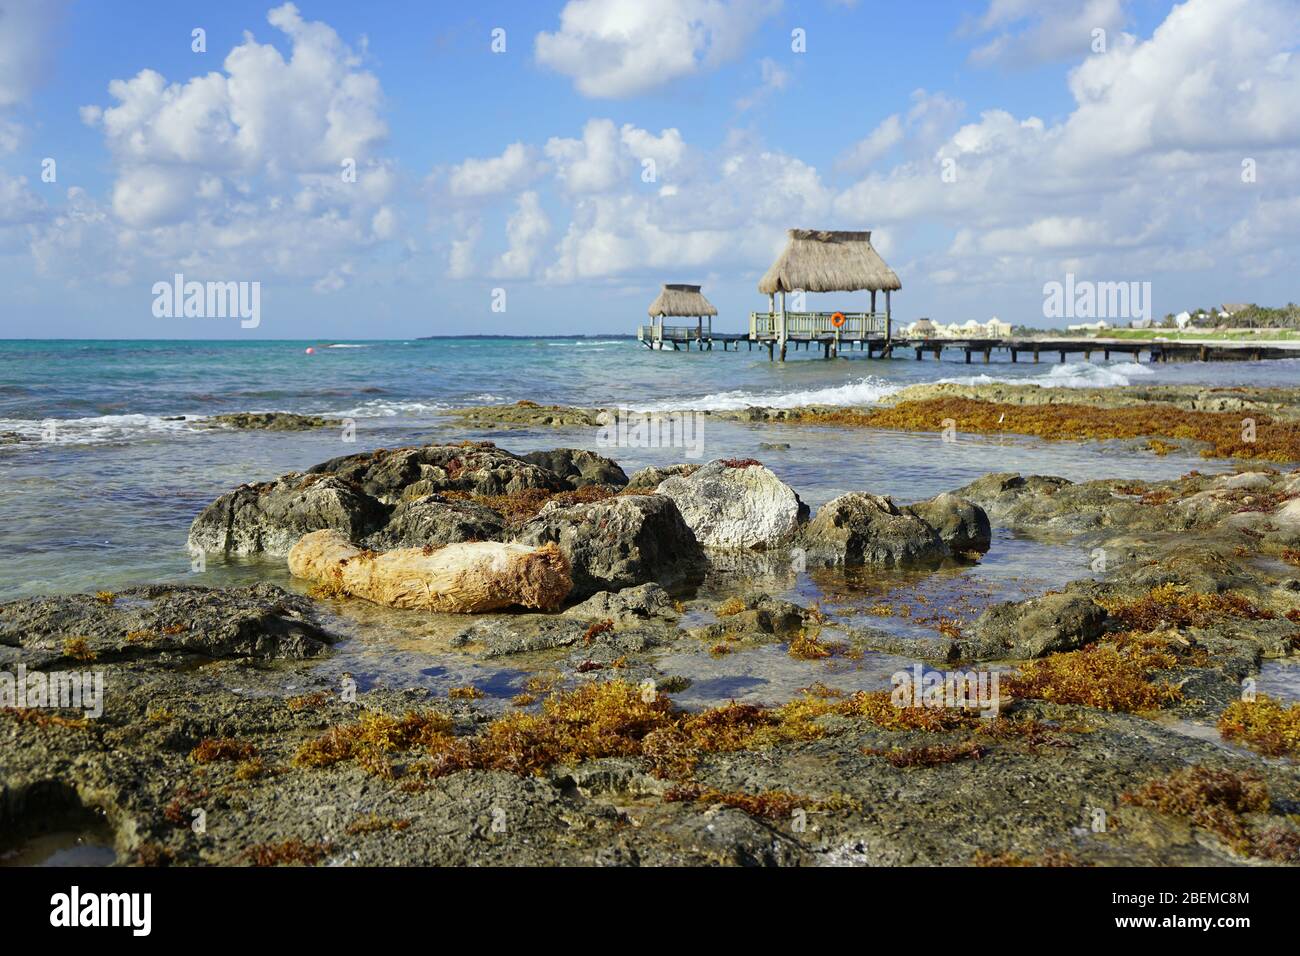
x=994 y=328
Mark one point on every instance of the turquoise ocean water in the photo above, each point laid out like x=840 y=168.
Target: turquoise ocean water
x=111 y=467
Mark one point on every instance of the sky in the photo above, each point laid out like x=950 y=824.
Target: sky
x=395 y=169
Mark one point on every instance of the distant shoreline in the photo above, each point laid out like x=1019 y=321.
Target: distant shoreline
x=319 y=341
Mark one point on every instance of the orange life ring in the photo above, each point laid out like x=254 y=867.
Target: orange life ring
x=838 y=320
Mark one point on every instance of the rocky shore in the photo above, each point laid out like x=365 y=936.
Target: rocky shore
x=1126 y=729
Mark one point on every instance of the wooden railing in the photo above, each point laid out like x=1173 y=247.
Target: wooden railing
x=672 y=333
x=808 y=325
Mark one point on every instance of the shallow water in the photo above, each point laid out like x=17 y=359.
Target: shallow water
x=104 y=498
x=102 y=493
x=64 y=848
x=1280 y=679
x=103 y=517
x=403 y=649
x=52 y=832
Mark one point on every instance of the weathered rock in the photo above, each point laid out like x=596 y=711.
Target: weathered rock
x=1204 y=569
x=261 y=621
x=524 y=415
x=270 y=421
x=464 y=578
x=527 y=633
x=435 y=520
x=1274 y=402
x=1048 y=503
x=1035 y=628
x=648 y=479
x=737 y=505
x=269 y=517
x=1286 y=522
x=962 y=525
x=357 y=494
x=579 y=467
x=619 y=542
x=859 y=528
x=630 y=605
x=1246 y=480
x=407 y=473
x=760 y=614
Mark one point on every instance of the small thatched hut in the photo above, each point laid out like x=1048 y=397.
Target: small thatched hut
x=676 y=300
x=816 y=260
x=819 y=261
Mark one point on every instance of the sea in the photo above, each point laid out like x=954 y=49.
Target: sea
x=106 y=462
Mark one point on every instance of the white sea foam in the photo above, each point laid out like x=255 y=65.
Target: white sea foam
x=864 y=391
x=96 y=430
x=381 y=408
x=871 y=389
x=1069 y=375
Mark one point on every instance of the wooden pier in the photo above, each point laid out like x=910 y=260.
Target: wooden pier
x=870 y=333
x=820 y=261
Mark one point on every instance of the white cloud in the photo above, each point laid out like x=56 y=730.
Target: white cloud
x=618 y=48
x=930 y=120
x=876 y=144
x=1039 y=31
x=526 y=231
x=1143 y=176
x=247 y=170
x=516 y=167
x=730 y=211
x=154 y=195
x=608 y=157
x=26 y=45
x=460 y=257
x=18 y=204
x=264 y=114
x=772 y=79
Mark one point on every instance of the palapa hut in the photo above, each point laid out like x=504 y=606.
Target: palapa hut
x=676 y=300
x=824 y=261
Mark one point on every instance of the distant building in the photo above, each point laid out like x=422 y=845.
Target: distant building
x=998 y=329
x=1183 y=319
x=1141 y=324
x=994 y=328
x=1232 y=308
x=1097 y=326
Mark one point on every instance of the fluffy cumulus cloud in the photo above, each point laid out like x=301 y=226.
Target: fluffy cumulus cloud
x=517 y=166
x=618 y=48
x=526 y=230
x=1028 y=32
x=267 y=166
x=607 y=157
x=1144 y=176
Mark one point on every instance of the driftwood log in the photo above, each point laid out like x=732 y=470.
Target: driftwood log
x=465 y=578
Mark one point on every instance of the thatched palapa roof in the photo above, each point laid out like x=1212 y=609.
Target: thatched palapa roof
x=681 y=300
x=817 y=261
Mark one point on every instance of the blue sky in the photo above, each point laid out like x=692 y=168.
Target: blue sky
x=1105 y=138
